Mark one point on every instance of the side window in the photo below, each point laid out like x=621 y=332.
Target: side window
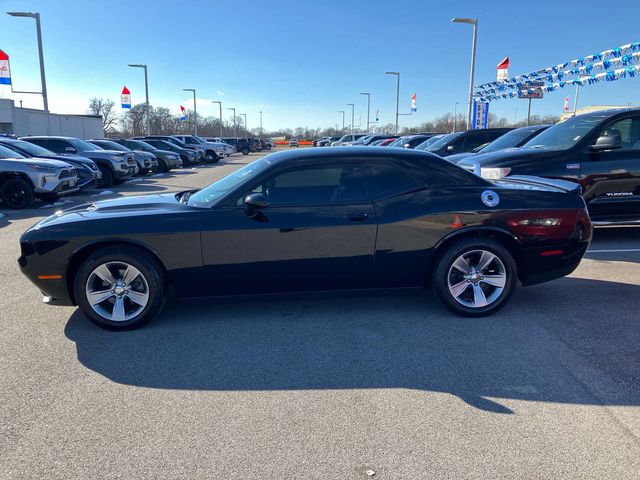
x=475 y=139
x=42 y=143
x=629 y=131
x=314 y=186
x=57 y=146
x=387 y=180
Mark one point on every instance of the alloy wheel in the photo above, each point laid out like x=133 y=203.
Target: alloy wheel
x=15 y=195
x=117 y=291
x=477 y=278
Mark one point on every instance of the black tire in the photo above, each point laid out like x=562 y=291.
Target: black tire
x=445 y=273
x=162 y=166
x=245 y=151
x=16 y=193
x=153 y=283
x=211 y=157
x=107 y=177
x=185 y=161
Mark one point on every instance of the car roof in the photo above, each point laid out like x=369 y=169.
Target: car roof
x=609 y=112
x=55 y=137
x=353 y=152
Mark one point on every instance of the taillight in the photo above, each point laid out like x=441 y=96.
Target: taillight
x=545 y=224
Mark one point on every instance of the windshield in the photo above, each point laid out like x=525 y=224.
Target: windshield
x=111 y=146
x=8 y=153
x=441 y=142
x=200 y=140
x=564 y=135
x=83 y=146
x=140 y=145
x=508 y=140
x=32 y=149
x=398 y=142
x=208 y=195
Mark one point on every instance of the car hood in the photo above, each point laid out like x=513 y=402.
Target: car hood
x=509 y=157
x=122 y=208
x=22 y=163
x=459 y=157
x=71 y=159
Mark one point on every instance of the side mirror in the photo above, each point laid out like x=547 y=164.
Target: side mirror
x=256 y=201
x=450 y=148
x=407 y=145
x=607 y=142
x=70 y=150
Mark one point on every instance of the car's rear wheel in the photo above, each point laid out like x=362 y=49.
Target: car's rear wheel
x=119 y=288
x=475 y=277
x=107 y=177
x=16 y=193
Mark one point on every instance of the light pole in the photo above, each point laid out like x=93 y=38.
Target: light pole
x=353 y=109
x=146 y=92
x=235 y=124
x=261 y=125
x=220 y=103
x=342 y=112
x=455 y=116
x=368 y=106
x=474 y=22
x=397 y=74
x=195 y=111
x=43 y=80
x=246 y=132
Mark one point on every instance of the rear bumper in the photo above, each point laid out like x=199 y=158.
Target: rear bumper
x=535 y=267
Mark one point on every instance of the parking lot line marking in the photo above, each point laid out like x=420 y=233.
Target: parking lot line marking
x=621 y=250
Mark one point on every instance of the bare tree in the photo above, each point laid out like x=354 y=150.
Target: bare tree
x=104 y=108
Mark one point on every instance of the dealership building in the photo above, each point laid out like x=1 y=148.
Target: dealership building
x=29 y=121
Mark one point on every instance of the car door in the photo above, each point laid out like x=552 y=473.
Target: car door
x=317 y=233
x=611 y=178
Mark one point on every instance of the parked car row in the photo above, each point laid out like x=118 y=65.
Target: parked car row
x=47 y=167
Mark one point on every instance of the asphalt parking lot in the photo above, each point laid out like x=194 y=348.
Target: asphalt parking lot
x=547 y=388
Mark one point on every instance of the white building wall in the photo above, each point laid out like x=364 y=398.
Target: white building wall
x=27 y=121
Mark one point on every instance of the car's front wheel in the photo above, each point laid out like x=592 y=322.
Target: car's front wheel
x=16 y=193
x=475 y=277
x=210 y=157
x=119 y=288
x=107 y=177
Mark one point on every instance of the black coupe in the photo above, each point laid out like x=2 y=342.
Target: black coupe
x=316 y=220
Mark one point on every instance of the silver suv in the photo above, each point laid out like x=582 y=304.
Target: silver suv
x=213 y=151
x=116 y=167
x=24 y=179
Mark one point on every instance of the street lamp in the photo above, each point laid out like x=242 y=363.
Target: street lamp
x=397 y=95
x=342 y=112
x=261 y=124
x=195 y=111
x=368 y=106
x=235 y=124
x=146 y=92
x=215 y=101
x=246 y=131
x=455 y=115
x=474 y=22
x=353 y=109
x=36 y=16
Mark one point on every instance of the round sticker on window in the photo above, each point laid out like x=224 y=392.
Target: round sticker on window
x=490 y=198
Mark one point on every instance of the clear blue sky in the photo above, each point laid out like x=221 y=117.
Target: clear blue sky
x=301 y=62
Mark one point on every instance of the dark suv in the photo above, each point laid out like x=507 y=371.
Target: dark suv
x=598 y=150
x=242 y=144
x=465 y=141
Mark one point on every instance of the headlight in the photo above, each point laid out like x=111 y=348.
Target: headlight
x=120 y=158
x=494 y=173
x=42 y=168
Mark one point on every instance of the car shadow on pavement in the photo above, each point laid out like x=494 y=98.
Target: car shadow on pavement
x=542 y=347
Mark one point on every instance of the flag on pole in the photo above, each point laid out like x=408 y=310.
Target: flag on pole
x=503 y=70
x=566 y=104
x=5 y=72
x=378 y=114
x=413 y=102
x=183 y=114
x=125 y=98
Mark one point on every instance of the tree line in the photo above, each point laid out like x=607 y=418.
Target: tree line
x=163 y=122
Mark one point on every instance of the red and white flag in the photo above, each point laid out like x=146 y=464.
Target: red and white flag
x=503 y=70
x=5 y=71
x=413 y=103
x=183 y=113
x=566 y=104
